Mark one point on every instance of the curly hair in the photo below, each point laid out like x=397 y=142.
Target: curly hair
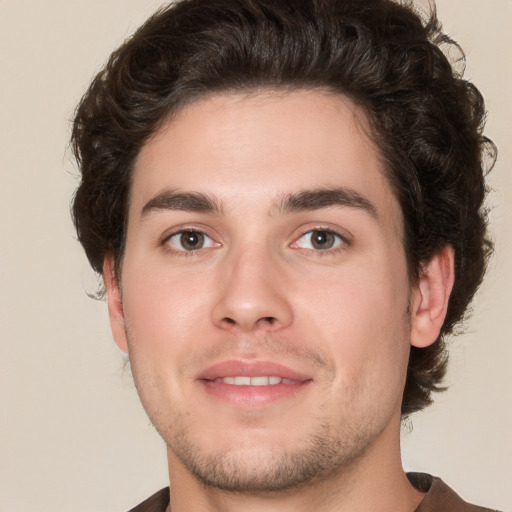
x=425 y=118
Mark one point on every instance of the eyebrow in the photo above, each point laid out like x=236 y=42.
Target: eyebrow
x=324 y=198
x=305 y=200
x=182 y=201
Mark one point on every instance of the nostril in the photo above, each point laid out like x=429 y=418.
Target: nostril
x=247 y=321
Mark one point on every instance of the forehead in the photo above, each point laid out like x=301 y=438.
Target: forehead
x=252 y=149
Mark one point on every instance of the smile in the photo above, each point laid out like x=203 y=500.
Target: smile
x=243 y=380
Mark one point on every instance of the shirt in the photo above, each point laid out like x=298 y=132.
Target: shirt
x=438 y=498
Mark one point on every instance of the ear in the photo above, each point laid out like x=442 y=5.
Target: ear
x=430 y=298
x=115 y=303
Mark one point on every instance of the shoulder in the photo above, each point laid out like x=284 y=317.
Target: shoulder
x=439 y=497
x=156 y=503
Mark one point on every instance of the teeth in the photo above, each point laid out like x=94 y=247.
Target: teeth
x=254 y=381
x=259 y=381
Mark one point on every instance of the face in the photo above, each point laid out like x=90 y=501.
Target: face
x=264 y=297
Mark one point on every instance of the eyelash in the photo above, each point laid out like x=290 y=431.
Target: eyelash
x=183 y=251
x=341 y=241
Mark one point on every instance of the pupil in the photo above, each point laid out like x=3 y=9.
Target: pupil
x=191 y=240
x=322 y=239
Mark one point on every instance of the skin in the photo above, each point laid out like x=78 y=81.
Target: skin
x=342 y=315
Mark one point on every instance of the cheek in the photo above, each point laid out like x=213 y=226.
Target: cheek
x=164 y=310
x=354 y=301
x=362 y=322
x=161 y=317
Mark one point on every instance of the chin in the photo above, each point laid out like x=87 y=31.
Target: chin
x=258 y=467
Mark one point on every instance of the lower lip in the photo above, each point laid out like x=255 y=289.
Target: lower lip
x=253 y=397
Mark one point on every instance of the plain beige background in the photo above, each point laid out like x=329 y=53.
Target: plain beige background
x=73 y=436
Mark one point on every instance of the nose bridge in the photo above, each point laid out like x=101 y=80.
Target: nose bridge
x=252 y=294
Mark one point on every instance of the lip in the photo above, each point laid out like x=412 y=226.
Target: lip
x=251 y=397
x=235 y=368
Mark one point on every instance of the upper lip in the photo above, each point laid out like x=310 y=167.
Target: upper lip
x=235 y=368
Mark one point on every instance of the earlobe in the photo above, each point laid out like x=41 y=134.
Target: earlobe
x=430 y=300
x=115 y=303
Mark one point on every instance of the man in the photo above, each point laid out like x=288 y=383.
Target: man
x=285 y=200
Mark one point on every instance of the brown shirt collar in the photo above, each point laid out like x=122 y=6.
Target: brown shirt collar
x=438 y=498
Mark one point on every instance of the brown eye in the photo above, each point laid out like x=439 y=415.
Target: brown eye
x=186 y=241
x=191 y=240
x=320 y=240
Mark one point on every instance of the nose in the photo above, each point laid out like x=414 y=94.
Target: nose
x=252 y=294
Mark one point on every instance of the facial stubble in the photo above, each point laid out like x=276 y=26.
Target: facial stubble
x=326 y=449
x=321 y=455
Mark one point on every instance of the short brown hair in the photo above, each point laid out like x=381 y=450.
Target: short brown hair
x=425 y=118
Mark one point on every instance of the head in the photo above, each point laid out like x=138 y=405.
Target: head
x=423 y=118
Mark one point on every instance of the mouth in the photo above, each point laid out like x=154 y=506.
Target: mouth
x=261 y=380
x=252 y=384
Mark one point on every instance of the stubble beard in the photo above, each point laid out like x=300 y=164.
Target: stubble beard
x=327 y=450
x=319 y=457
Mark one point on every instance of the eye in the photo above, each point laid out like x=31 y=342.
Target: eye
x=319 y=240
x=190 y=241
